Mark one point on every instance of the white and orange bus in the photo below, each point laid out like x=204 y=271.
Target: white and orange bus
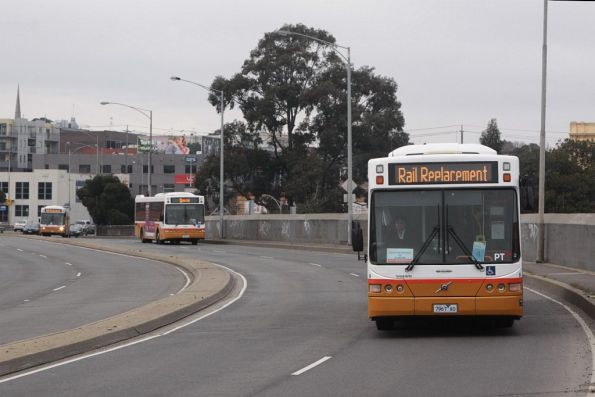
x=443 y=229
x=54 y=219
x=172 y=217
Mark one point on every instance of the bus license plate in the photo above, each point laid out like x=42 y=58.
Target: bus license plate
x=451 y=308
x=185 y=236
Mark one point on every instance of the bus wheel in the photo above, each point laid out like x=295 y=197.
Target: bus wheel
x=194 y=241
x=504 y=322
x=384 y=324
x=157 y=240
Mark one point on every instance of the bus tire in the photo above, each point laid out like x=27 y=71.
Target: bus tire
x=504 y=322
x=157 y=238
x=384 y=324
x=142 y=237
x=194 y=241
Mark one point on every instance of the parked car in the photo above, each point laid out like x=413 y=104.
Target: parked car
x=76 y=230
x=19 y=225
x=31 y=228
x=87 y=226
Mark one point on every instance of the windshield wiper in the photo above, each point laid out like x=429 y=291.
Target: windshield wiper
x=455 y=236
x=423 y=248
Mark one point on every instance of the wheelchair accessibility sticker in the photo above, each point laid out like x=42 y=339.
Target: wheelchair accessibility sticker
x=490 y=270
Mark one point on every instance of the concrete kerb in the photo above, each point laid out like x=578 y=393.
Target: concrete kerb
x=563 y=292
x=209 y=284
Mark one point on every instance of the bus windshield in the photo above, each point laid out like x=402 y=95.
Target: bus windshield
x=446 y=226
x=52 y=218
x=184 y=214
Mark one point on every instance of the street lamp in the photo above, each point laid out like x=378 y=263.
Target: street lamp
x=70 y=170
x=540 y=257
x=148 y=115
x=347 y=60
x=221 y=175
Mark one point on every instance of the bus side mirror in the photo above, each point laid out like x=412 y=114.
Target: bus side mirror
x=357 y=240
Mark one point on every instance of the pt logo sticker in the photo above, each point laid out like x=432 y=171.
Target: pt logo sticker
x=490 y=270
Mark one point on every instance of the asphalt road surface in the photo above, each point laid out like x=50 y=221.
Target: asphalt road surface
x=47 y=287
x=300 y=329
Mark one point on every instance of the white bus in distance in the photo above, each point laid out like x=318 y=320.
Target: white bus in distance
x=172 y=217
x=443 y=227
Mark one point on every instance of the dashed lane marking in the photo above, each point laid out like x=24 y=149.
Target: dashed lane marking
x=316 y=264
x=59 y=288
x=309 y=367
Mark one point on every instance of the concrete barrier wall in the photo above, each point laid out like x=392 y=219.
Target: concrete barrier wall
x=570 y=238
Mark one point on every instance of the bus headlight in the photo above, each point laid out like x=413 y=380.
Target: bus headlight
x=388 y=288
x=514 y=287
x=61 y=228
x=501 y=287
x=375 y=288
x=400 y=288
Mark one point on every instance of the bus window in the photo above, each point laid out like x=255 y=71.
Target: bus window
x=481 y=222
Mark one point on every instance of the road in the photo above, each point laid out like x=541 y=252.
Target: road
x=300 y=329
x=47 y=287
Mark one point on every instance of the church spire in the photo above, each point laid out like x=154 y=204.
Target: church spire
x=17 y=112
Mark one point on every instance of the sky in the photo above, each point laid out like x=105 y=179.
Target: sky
x=457 y=63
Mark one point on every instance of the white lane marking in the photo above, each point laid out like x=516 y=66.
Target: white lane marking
x=316 y=264
x=245 y=285
x=565 y=274
x=187 y=280
x=309 y=367
x=354 y=275
x=266 y=257
x=79 y=274
x=586 y=329
x=59 y=288
x=43 y=256
x=219 y=251
x=59 y=364
x=69 y=264
x=26 y=300
x=18 y=249
x=111 y=349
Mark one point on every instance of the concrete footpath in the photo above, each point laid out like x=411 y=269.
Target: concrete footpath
x=209 y=284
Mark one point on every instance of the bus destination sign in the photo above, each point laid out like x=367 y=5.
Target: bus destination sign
x=54 y=210
x=443 y=173
x=184 y=200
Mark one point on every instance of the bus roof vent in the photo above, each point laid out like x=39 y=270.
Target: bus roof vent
x=441 y=148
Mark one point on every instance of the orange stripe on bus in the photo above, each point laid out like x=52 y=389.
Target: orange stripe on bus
x=443 y=280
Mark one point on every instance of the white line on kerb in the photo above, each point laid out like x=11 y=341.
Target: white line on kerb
x=316 y=264
x=59 y=288
x=587 y=330
x=354 y=275
x=309 y=367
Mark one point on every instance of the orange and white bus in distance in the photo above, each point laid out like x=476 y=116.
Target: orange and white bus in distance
x=444 y=231
x=54 y=219
x=172 y=217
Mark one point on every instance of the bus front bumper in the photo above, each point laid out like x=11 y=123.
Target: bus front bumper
x=509 y=305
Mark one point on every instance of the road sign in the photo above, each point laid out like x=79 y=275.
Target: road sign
x=344 y=186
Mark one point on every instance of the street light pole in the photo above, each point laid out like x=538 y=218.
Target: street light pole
x=221 y=174
x=347 y=61
x=541 y=199
x=149 y=114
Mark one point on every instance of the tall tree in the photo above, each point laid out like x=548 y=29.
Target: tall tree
x=491 y=136
x=292 y=89
x=108 y=200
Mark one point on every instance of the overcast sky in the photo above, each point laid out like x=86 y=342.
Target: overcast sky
x=457 y=62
